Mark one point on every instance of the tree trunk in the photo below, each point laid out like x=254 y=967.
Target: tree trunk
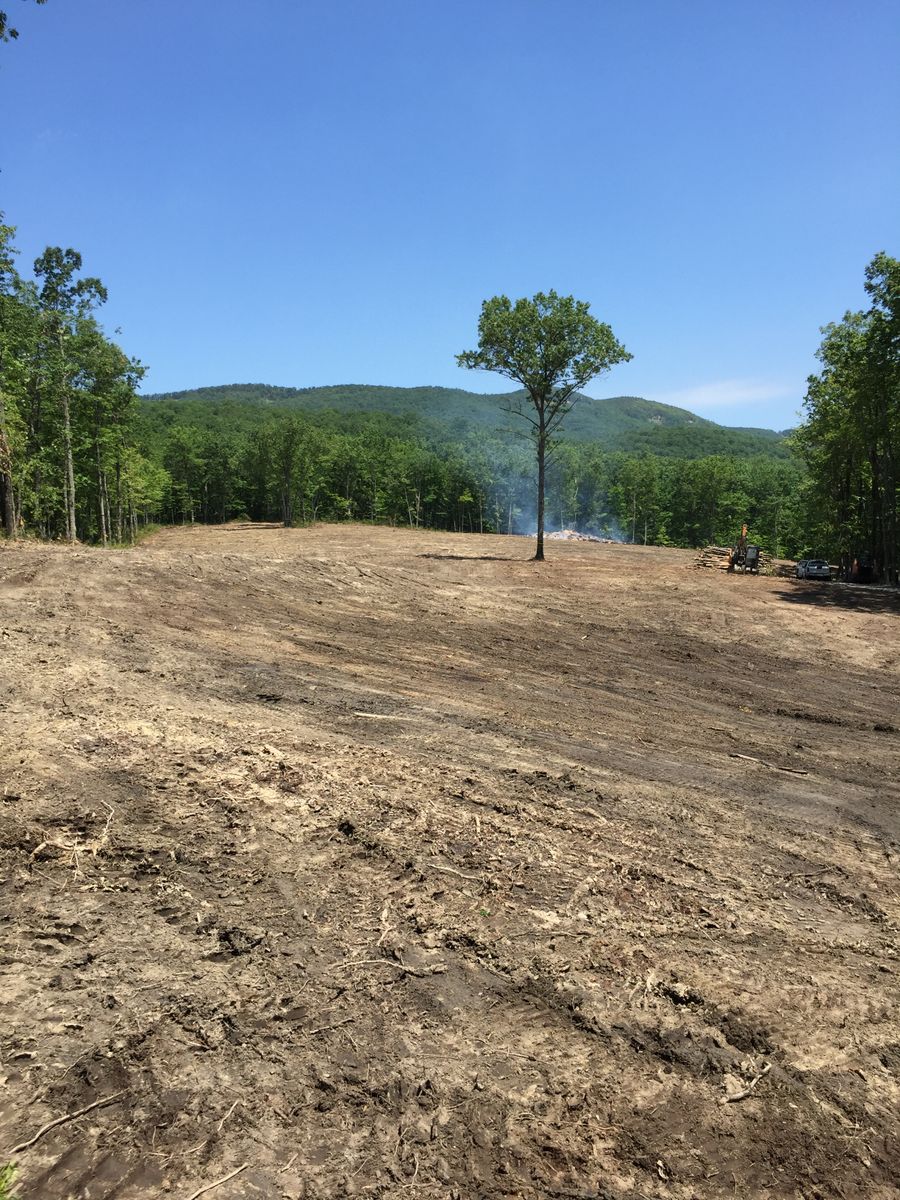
x=101 y=498
x=7 y=506
x=65 y=499
x=541 y=457
x=104 y=493
x=8 y=519
x=7 y=502
x=71 y=533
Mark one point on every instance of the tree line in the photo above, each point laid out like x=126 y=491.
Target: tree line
x=82 y=457
x=850 y=441
x=69 y=463
x=375 y=467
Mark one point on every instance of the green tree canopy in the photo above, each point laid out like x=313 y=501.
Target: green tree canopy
x=850 y=440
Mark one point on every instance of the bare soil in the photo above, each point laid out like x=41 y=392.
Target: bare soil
x=390 y=863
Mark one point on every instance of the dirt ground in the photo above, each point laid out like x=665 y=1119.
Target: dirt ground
x=369 y=862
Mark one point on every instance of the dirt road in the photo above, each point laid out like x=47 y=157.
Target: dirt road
x=367 y=862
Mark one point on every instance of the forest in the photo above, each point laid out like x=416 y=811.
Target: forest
x=850 y=441
x=84 y=457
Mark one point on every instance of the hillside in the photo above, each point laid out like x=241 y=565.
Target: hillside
x=367 y=862
x=619 y=422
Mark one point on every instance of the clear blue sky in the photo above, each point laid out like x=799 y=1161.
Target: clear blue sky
x=306 y=192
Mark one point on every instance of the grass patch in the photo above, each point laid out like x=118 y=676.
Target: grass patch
x=7 y=1179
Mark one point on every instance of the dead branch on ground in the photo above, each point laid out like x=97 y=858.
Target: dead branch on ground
x=771 y=766
x=748 y=1090
x=64 y=1121
x=218 y=1183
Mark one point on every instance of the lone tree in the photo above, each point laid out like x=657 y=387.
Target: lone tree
x=553 y=347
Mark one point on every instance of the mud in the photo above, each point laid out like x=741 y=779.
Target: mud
x=388 y=863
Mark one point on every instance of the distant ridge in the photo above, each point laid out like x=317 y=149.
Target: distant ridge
x=618 y=422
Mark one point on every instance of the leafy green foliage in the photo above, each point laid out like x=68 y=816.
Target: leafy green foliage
x=68 y=464
x=435 y=457
x=7 y=33
x=553 y=347
x=850 y=441
x=550 y=345
x=619 y=422
x=298 y=467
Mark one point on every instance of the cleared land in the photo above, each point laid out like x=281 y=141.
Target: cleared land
x=392 y=864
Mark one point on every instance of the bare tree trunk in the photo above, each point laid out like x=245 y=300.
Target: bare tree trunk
x=101 y=500
x=65 y=496
x=541 y=457
x=71 y=533
x=104 y=494
x=7 y=501
x=7 y=505
x=118 y=497
x=889 y=506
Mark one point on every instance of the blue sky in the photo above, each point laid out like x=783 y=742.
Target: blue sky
x=305 y=192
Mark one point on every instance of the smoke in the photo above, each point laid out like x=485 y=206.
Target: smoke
x=598 y=533
x=613 y=531
x=511 y=502
x=525 y=521
x=603 y=529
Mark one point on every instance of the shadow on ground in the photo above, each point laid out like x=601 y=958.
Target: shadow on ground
x=844 y=595
x=476 y=557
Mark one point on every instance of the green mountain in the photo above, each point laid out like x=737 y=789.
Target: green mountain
x=618 y=422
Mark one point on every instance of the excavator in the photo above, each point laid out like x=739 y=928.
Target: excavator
x=744 y=555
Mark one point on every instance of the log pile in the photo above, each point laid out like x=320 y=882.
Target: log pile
x=716 y=558
x=713 y=558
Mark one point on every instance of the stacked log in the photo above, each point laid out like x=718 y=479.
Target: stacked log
x=713 y=557
x=716 y=558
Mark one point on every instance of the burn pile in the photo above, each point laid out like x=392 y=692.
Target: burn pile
x=572 y=535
